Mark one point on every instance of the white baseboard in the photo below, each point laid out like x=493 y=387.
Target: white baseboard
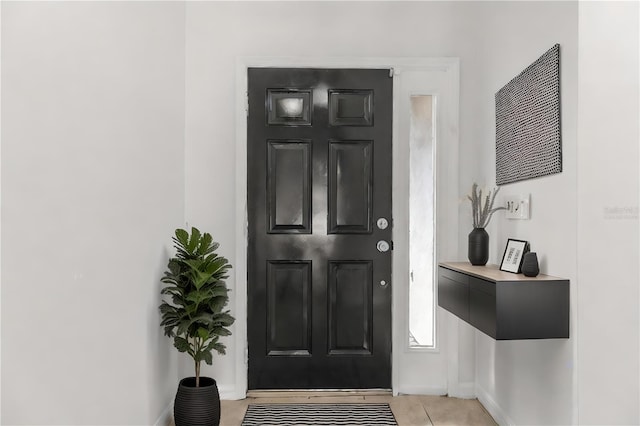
x=166 y=416
x=493 y=408
x=465 y=390
x=230 y=393
x=421 y=390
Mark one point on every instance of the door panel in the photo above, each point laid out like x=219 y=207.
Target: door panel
x=350 y=301
x=289 y=107
x=289 y=186
x=289 y=308
x=350 y=187
x=319 y=175
x=350 y=107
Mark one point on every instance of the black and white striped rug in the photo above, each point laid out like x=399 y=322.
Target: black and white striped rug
x=319 y=414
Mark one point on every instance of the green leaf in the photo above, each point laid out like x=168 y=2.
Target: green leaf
x=213 y=247
x=174 y=267
x=216 y=304
x=207 y=357
x=173 y=291
x=219 y=291
x=203 y=333
x=199 y=272
x=168 y=327
x=221 y=331
x=181 y=344
x=194 y=240
x=190 y=309
x=201 y=320
x=169 y=278
x=225 y=319
x=166 y=308
x=219 y=347
x=205 y=244
x=178 y=300
x=196 y=296
x=182 y=236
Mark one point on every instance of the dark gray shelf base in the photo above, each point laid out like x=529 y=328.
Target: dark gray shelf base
x=505 y=306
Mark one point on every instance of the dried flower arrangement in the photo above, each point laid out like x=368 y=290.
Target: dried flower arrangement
x=482 y=212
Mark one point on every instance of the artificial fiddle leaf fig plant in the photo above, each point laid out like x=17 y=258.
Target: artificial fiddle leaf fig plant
x=194 y=313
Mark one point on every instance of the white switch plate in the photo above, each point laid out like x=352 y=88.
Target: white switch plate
x=517 y=206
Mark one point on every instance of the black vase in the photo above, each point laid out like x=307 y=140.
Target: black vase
x=197 y=406
x=530 y=266
x=478 y=246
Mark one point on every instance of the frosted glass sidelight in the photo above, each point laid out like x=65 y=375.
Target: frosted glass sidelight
x=421 y=223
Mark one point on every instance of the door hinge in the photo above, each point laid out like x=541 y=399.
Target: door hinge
x=391 y=72
x=246 y=104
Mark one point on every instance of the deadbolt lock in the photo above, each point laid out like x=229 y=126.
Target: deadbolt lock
x=382 y=223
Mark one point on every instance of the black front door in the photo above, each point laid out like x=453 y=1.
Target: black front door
x=319 y=192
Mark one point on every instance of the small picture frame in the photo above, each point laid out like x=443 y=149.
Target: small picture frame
x=513 y=254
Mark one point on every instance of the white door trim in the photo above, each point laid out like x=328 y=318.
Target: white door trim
x=449 y=180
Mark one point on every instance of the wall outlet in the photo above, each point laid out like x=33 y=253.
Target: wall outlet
x=517 y=206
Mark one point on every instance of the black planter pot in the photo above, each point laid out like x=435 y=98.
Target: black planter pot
x=197 y=406
x=530 y=266
x=478 y=246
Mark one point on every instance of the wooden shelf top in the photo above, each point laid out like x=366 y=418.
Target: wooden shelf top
x=493 y=272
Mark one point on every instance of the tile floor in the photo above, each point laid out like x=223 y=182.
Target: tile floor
x=409 y=410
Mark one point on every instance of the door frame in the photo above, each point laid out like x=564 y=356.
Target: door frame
x=447 y=69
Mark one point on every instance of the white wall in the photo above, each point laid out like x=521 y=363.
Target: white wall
x=92 y=188
x=530 y=382
x=608 y=333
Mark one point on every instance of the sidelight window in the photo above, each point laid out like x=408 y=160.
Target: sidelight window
x=421 y=222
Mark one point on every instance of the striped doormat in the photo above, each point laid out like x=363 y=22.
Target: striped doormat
x=318 y=414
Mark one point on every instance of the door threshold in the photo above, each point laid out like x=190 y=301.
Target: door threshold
x=310 y=393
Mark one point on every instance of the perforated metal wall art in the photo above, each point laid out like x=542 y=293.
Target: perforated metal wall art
x=528 y=137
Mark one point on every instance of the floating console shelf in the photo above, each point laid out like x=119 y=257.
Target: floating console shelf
x=503 y=305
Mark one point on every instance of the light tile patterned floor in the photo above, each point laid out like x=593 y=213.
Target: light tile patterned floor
x=409 y=410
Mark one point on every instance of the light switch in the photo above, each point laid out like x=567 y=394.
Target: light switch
x=517 y=206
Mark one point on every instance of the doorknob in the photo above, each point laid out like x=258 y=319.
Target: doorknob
x=382 y=246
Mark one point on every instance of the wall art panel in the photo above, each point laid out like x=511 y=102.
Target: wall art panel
x=528 y=137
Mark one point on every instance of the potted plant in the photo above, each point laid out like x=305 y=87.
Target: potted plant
x=194 y=316
x=482 y=212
